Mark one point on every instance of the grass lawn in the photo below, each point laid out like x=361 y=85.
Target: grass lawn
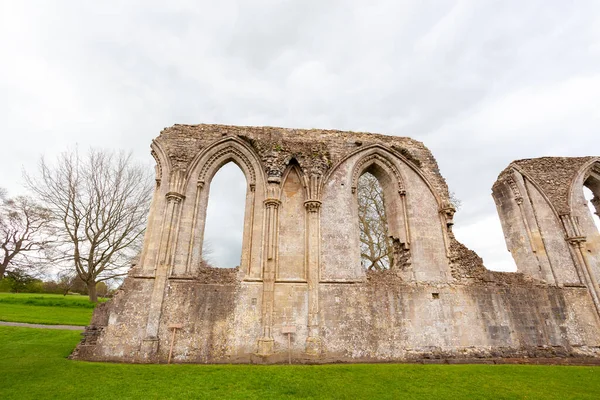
x=45 y=308
x=33 y=365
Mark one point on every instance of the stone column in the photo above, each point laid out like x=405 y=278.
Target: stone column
x=265 y=344
x=446 y=213
x=530 y=223
x=163 y=266
x=577 y=243
x=313 y=341
x=193 y=233
x=151 y=226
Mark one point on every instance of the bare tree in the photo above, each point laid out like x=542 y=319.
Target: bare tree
x=375 y=245
x=455 y=201
x=100 y=203
x=65 y=280
x=24 y=233
x=207 y=253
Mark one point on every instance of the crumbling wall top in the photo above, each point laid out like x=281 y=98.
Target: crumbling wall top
x=553 y=175
x=308 y=146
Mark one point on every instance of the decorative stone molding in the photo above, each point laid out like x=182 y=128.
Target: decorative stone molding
x=157 y=167
x=312 y=205
x=229 y=150
x=314 y=166
x=274 y=167
x=576 y=239
x=275 y=203
x=515 y=189
x=174 y=196
x=448 y=211
x=383 y=161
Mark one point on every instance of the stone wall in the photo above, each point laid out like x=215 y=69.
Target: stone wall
x=300 y=269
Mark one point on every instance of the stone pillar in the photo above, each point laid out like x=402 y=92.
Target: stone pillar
x=193 y=233
x=151 y=226
x=313 y=341
x=577 y=242
x=530 y=223
x=404 y=206
x=446 y=213
x=265 y=344
x=162 y=269
x=246 y=261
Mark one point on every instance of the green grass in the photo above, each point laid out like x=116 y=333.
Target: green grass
x=45 y=308
x=33 y=365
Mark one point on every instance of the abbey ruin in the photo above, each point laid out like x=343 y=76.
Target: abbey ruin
x=300 y=277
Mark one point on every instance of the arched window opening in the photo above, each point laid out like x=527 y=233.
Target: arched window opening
x=376 y=247
x=222 y=246
x=593 y=203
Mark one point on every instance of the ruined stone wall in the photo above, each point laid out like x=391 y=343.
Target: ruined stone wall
x=547 y=224
x=300 y=270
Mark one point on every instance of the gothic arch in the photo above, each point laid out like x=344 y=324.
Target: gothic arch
x=584 y=234
x=296 y=167
x=588 y=175
x=516 y=192
x=381 y=162
x=196 y=189
x=214 y=156
x=163 y=162
x=384 y=156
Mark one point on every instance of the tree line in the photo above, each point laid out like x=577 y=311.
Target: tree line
x=84 y=219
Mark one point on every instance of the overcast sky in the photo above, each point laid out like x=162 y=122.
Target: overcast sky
x=481 y=83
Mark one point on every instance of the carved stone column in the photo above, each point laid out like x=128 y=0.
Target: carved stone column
x=313 y=341
x=577 y=243
x=190 y=251
x=265 y=344
x=530 y=223
x=163 y=266
x=447 y=212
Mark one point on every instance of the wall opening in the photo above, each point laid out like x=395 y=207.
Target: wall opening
x=376 y=250
x=224 y=229
x=591 y=199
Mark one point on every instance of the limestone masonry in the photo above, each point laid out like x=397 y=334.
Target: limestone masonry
x=300 y=273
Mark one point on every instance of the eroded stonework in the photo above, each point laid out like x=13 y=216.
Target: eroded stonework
x=300 y=270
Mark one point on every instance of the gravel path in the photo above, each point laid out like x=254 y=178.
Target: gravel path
x=40 y=326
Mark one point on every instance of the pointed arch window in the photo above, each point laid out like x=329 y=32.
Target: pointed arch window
x=224 y=228
x=382 y=216
x=375 y=242
x=591 y=191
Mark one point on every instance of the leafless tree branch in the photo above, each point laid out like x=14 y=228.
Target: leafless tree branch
x=375 y=246
x=99 y=202
x=25 y=233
